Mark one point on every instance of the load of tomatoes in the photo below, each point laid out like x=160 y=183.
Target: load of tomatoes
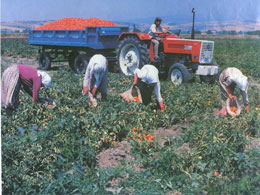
x=74 y=24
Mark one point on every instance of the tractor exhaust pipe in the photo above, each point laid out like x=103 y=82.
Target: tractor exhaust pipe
x=193 y=31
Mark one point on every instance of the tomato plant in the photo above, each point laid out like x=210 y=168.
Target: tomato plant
x=54 y=150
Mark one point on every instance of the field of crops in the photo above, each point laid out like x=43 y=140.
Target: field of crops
x=186 y=150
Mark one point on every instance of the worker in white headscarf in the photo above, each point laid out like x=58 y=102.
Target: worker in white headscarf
x=95 y=78
x=17 y=76
x=229 y=79
x=146 y=80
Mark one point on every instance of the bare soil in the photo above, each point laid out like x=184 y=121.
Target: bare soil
x=253 y=82
x=113 y=157
x=162 y=134
x=254 y=143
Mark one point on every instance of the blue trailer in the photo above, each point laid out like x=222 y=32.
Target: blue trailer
x=76 y=46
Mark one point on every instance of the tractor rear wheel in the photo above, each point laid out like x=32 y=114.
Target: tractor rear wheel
x=178 y=74
x=80 y=64
x=44 y=61
x=131 y=54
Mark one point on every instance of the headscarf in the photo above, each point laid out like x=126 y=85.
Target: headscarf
x=242 y=82
x=98 y=68
x=148 y=74
x=46 y=79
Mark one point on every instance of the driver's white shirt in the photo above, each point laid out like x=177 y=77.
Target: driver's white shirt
x=153 y=30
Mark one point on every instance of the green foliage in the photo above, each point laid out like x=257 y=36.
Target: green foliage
x=18 y=48
x=53 y=151
x=243 y=54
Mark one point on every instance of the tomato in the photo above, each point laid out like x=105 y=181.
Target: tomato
x=216 y=173
x=233 y=109
x=74 y=24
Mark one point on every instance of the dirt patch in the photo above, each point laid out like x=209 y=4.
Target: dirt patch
x=253 y=83
x=116 y=180
x=185 y=148
x=215 y=112
x=162 y=134
x=254 y=143
x=174 y=193
x=113 y=157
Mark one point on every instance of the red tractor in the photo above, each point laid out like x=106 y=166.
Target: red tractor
x=177 y=57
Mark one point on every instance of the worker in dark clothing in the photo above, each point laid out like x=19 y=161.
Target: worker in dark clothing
x=146 y=81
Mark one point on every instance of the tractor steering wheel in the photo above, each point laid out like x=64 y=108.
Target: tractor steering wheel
x=164 y=35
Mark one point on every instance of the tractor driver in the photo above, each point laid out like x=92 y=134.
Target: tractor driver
x=155 y=30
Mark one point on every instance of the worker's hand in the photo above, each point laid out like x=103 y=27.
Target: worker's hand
x=230 y=96
x=247 y=108
x=85 y=90
x=53 y=104
x=161 y=106
x=165 y=30
x=94 y=90
x=135 y=79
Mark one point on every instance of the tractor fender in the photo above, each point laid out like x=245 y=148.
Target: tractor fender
x=140 y=36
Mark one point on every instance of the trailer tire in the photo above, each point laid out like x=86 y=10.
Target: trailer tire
x=71 y=59
x=178 y=74
x=44 y=61
x=131 y=54
x=80 y=64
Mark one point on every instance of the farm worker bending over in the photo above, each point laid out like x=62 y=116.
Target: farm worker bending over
x=145 y=82
x=96 y=77
x=229 y=79
x=22 y=75
x=155 y=30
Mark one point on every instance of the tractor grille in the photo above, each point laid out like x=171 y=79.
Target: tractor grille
x=206 y=52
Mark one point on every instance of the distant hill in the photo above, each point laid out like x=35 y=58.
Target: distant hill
x=175 y=23
x=21 y=26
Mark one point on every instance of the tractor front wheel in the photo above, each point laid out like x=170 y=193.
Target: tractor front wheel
x=178 y=74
